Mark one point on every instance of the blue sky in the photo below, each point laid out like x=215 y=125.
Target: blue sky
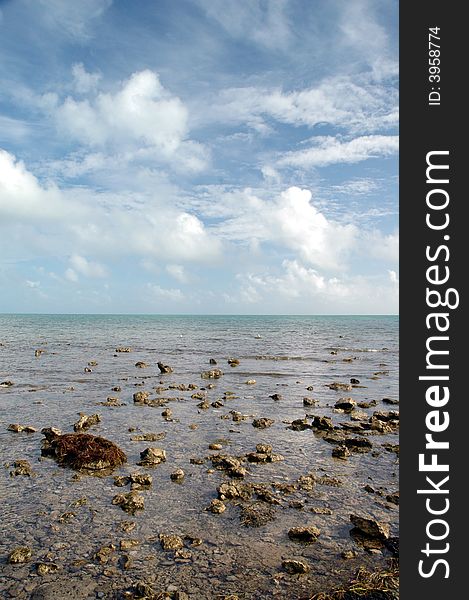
x=199 y=156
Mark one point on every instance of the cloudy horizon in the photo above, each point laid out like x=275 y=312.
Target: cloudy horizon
x=199 y=156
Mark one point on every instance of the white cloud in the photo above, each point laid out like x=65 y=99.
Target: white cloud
x=171 y=294
x=82 y=265
x=33 y=284
x=328 y=150
x=72 y=19
x=178 y=272
x=83 y=81
x=264 y=23
x=71 y=275
x=78 y=221
x=357 y=104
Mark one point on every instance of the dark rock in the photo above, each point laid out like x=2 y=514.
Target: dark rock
x=141 y=365
x=233 y=362
x=354 y=381
x=164 y=369
x=212 y=361
x=300 y=425
x=371 y=527
x=177 y=475
x=86 y=421
x=322 y=423
x=309 y=402
x=345 y=404
x=123 y=349
x=341 y=452
x=307 y=535
x=294 y=566
x=390 y=401
x=151 y=457
x=212 y=374
x=130 y=502
x=262 y=423
x=276 y=397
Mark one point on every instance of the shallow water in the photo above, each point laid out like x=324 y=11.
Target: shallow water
x=284 y=355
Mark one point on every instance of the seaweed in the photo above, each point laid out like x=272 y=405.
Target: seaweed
x=86 y=451
x=379 y=585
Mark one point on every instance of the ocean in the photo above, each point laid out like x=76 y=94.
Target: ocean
x=296 y=357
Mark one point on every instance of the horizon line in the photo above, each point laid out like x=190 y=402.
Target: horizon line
x=118 y=314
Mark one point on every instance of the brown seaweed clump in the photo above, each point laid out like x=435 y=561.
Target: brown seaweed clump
x=83 y=451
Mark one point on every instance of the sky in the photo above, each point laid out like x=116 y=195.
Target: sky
x=199 y=156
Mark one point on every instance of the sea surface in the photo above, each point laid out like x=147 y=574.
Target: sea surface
x=284 y=355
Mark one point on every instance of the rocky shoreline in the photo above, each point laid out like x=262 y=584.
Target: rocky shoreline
x=193 y=488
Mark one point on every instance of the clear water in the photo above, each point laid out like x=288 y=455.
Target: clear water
x=283 y=354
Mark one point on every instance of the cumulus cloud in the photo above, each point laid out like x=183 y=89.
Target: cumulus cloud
x=328 y=150
x=80 y=222
x=85 y=267
x=83 y=81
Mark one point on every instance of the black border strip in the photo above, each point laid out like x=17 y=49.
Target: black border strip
x=432 y=124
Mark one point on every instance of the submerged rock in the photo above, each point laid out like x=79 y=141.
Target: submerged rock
x=256 y=514
x=20 y=555
x=177 y=475
x=216 y=506
x=130 y=502
x=262 y=423
x=17 y=428
x=340 y=387
x=148 y=437
x=171 y=542
x=141 y=365
x=151 y=457
x=22 y=467
x=304 y=534
x=294 y=566
x=86 y=421
x=212 y=374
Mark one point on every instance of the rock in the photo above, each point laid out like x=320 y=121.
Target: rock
x=128 y=544
x=262 y=423
x=148 y=437
x=50 y=433
x=111 y=401
x=167 y=414
x=367 y=404
x=141 y=365
x=39 y=352
x=299 y=425
x=310 y=388
x=230 y=464
x=233 y=362
x=341 y=452
x=264 y=448
x=127 y=526
x=358 y=444
x=321 y=511
x=151 y=457
x=322 y=423
x=140 y=481
x=141 y=397
x=358 y=415
x=171 y=542
x=130 y=502
x=345 y=404
x=212 y=374
x=177 y=475
x=393 y=498
x=263 y=457
x=46 y=568
x=340 y=387
x=123 y=349
x=348 y=554
x=309 y=402
x=17 y=428
x=217 y=507
x=307 y=482
x=215 y=446
x=212 y=361
x=304 y=534
x=217 y=404
x=164 y=369
x=294 y=566
x=20 y=555
x=6 y=384
x=82 y=451
x=86 y=421
x=250 y=382
x=371 y=527
x=199 y=396
x=204 y=405
x=230 y=490
x=390 y=401
x=117 y=388
x=276 y=397
x=104 y=554
x=87 y=370
x=22 y=467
